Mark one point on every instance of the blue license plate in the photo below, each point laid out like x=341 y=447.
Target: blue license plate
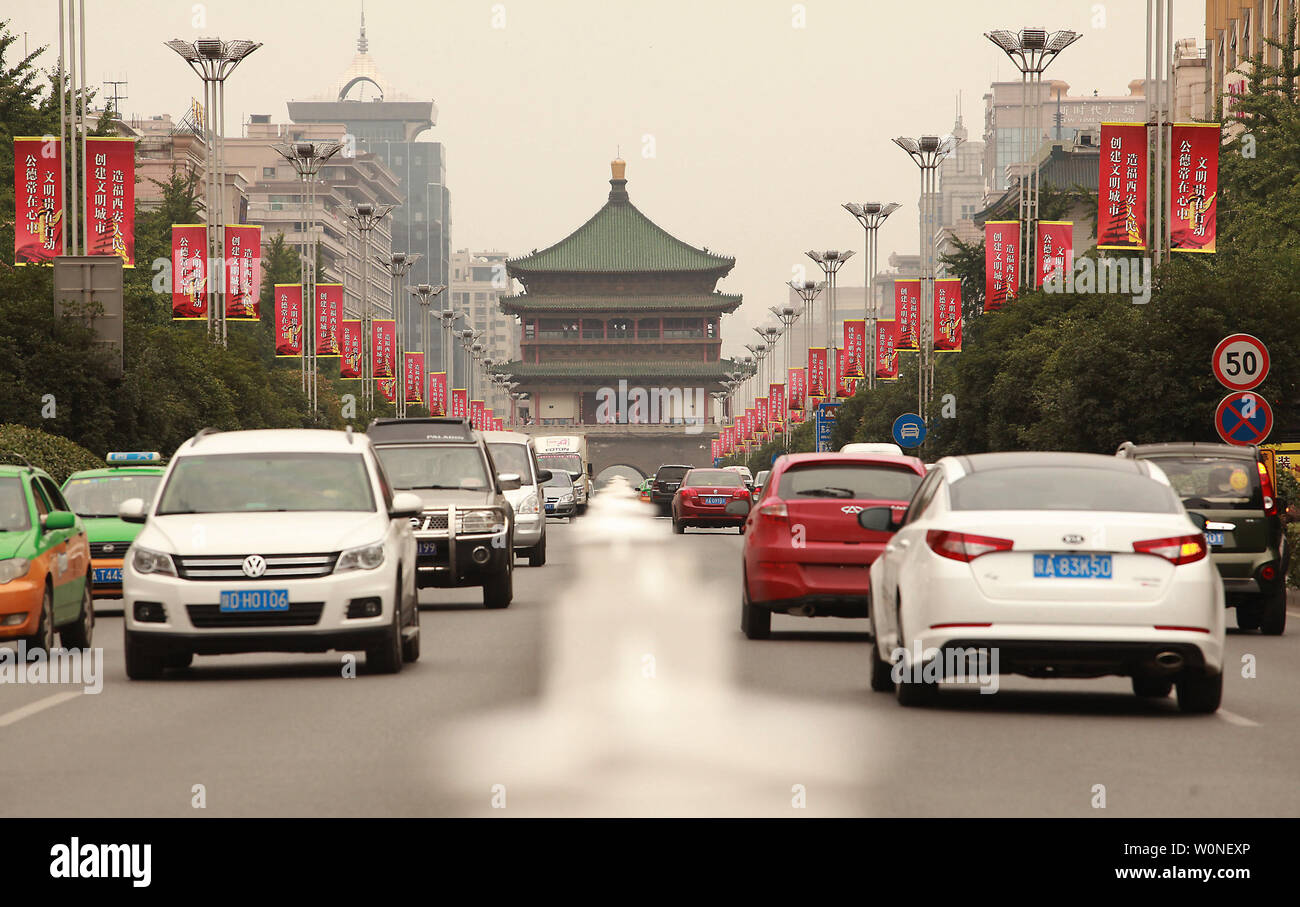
x=426 y=549
x=550 y=508
x=246 y=600
x=715 y=502
x=108 y=575
x=1072 y=566
x=1214 y=538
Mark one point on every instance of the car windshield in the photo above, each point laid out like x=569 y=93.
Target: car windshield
x=101 y=496
x=14 y=515
x=1228 y=483
x=714 y=478
x=671 y=473
x=571 y=463
x=559 y=479
x=844 y=480
x=267 y=483
x=512 y=458
x=434 y=466
x=1062 y=488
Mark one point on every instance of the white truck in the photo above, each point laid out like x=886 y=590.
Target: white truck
x=568 y=453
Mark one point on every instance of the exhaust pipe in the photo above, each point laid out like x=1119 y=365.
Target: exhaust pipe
x=802 y=611
x=1169 y=661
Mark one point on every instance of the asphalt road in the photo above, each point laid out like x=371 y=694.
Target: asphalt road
x=618 y=683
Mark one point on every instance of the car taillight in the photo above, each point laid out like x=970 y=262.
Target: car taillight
x=774 y=511
x=962 y=546
x=1270 y=499
x=740 y=493
x=1268 y=573
x=1180 y=549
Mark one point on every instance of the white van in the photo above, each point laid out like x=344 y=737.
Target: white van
x=515 y=452
x=568 y=453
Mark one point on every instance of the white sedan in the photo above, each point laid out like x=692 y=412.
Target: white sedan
x=1046 y=565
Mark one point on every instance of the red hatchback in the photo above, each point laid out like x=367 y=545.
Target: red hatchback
x=711 y=498
x=805 y=553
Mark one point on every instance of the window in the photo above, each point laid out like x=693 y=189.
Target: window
x=1062 y=488
x=265 y=482
x=841 y=480
x=102 y=495
x=647 y=328
x=38 y=498
x=53 y=495
x=682 y=328
x=620 y=328
x=13 y=506
x=1230 y=483
x=593 y=329
x=268 y=173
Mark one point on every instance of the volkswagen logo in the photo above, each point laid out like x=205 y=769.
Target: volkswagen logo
x=850 y=509
x=109 y=549
x=254 y=565
x=1072 y=539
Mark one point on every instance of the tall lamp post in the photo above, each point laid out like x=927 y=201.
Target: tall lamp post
x=871 y=215
x=398 y=265
x=928 y=152
x=424 y=295
x=1032 y=51
x=787 y=315
x=830 y=262
x=448 y=345
x=366 y=217
x=808 y=291
x=214 y=60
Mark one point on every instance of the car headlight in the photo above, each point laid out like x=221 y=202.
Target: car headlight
x=366 y=557
x=567 y=499
x=487 y=520
x=12 y=568
x=145 y=560
x=528 y=505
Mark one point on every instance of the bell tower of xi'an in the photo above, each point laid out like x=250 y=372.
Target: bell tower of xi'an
x=620 y=322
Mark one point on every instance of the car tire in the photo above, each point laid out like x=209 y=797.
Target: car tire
x=141 y=665
x=80 y=634
x=580 y=509
x=1152 y=687
x=537 y=554
x=1272 y=613
x=1199 y=693
x=1248 y=615
x=499 y=590
x=678 y=528
x=755 y=622
x=411 y=644
x=43 y=639
x=386 y=657
x=882 y=672
x=912 y=693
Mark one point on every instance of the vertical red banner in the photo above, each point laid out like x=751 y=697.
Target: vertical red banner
x=855 y=347
x=488 y=417
x=817 y=372
x=749 y=420
x=907 y=313
x=388 y=388
x=38 y=200
x=329 y=318
x=437 y=402
x=460 y=403
x=798 y=389
x=414 y=376
x=776 y=404
x=498 y=423
x=190 y=273
x=886 y=349
x=1122 y=182
x=288 y=319
x=1055 y=250
x=947 y=315
x=760 y=408
x=350 y=340
x=1194 y=187
x=110 y=197
x=243 y=288
x=384 y=347
x=845 y=385
x=476 y=413
x=1001 y=240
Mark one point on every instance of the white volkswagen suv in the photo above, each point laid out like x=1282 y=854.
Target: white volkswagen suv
x=271 y=541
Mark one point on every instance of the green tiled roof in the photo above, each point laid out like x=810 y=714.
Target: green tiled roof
x=709 y=302
x=617 y=369
x=619 y=239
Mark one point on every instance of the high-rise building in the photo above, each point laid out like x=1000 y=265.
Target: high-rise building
x=478 y=281
x=1235 y=31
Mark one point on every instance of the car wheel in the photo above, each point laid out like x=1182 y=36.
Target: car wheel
x=81 y=632
x=1200 y=694
x=1152 y=687
x=537 y=554
x=882 y=672
x=915 y=691
x=411 y=643
x=43 y=639
x=141 y=665
x=386 y=657
x=1248 y=614
x=678 y=528
x=499 y=589
x=581 y=509
x=1272 y=616
x=756 y=622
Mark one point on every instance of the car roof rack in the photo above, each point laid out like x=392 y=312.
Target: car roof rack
x=17 y=456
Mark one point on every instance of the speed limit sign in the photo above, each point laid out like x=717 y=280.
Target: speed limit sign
x=1240 y=362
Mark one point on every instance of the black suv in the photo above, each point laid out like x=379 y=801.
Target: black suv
x=465 y=532
x=666 y=482
x=1229 y=487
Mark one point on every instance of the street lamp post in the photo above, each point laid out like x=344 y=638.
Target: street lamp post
x=808 y=291
x=787 y=315
x=830 y=262
x=366 y=217
x=871 y=215
x=424 y=295
x=398 y=265
x=447 y=345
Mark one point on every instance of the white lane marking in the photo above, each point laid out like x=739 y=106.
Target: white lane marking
x=39 y=705
x=1234 y=718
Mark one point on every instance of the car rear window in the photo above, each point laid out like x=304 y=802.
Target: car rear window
x=1062 y=488
x=1210 y=483
x=670 y=473
x=869 y=481
x=511 y=457
x=716 y=478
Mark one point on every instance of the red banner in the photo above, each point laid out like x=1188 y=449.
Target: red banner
x=459 y=403
x=383 y=348
x=817 y=371
x=1194 y=182
x=413 y=374
x=795 y=380
x=1055 y=250
x=1001 y=240
x=38 y=200
x=947 y=315
x=488 y=418
x=776 y=404
x=855 y=347
x=1122 y=199
x=845 y=385
x=388 y=387
x=796 y=417
x=498 y=423
x=243 y=272
x=476 y=413
x=350 y=341
x=748 y=423
x=329 y=316
x=110 y=197
x=190 y=272
x=437 y=402
x=288 y=319
x=886 y=349
x=760 y=409
x=907 y=313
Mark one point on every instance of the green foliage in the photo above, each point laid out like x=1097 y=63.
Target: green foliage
x=57 y=456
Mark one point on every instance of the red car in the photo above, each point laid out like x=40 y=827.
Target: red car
x=711 y=498
x=805 y=553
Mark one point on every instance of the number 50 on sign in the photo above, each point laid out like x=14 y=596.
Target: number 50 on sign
x=1240 y=362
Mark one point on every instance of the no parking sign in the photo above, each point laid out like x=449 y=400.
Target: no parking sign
x=1243 y=418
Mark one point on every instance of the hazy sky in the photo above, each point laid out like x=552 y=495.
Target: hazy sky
x=760 y=127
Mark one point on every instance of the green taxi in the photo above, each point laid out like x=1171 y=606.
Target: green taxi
x=95 y=495
x=45 y=579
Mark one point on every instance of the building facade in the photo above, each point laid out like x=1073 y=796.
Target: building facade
x=478 y=283
x=1235 y=31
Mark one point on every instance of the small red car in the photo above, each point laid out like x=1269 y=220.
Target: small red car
x=711 y=498
x=805 y=553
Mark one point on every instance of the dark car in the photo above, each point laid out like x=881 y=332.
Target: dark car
x=710 y=499
x=465 y=533
x=666 y=482
x=1229 y=487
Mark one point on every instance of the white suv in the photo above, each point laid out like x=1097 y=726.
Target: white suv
x=271 y=541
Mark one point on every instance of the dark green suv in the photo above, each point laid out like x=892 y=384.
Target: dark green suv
x=1229 y=486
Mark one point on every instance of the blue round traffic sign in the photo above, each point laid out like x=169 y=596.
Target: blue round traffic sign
x=909 y=430
x=1243 y=418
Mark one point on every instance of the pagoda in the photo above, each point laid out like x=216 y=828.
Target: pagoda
x=620 y=321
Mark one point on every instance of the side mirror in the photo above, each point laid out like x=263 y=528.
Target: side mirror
x=509 y=481
x=405 y=505
x=59 y=519
x=878 y=519
x=544 y=476
x=1198 y=519
x=132 y=510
